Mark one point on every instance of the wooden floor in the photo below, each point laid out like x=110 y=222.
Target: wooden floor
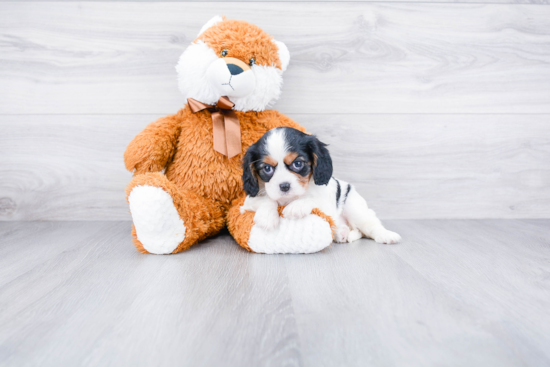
x=454 y=293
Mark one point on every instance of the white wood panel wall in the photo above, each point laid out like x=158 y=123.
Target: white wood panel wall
x=90 y=58
x=432 y=110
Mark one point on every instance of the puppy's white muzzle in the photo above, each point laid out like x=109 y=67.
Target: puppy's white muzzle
x=230 y=84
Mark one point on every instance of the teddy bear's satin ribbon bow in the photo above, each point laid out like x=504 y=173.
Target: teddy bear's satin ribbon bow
x=225 y=125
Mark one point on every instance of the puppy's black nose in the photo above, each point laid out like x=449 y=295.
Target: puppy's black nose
x=285 y=186
x=234 y=69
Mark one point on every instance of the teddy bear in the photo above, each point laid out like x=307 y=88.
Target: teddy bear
x=187 y=182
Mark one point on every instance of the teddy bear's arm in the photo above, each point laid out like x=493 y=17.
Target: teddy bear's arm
x=154 y=147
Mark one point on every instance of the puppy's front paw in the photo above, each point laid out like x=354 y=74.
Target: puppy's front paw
x=341 y=234
x=267 y=218
x=297 y=209
x=385 y=236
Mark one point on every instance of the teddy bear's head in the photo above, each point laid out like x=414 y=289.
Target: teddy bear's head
x=235 y=59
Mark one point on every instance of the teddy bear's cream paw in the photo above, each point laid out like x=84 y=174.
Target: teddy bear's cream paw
x=158 y=225
x=293 y=236
x=341 y=234
x=266 y=218
x=385 y=236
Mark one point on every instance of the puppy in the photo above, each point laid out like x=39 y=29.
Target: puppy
x=289 y=168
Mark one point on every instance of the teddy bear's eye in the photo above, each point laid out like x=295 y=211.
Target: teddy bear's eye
x=224 y=53
x=252 y=61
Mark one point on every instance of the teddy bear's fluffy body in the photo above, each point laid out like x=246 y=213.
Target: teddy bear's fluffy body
x=183 y=190
x=181 y=144
x=202 y=182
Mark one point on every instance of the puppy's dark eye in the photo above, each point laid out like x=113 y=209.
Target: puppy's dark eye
x=297 y=165
x=252 y=61
x=268 y=169
x=224 y=53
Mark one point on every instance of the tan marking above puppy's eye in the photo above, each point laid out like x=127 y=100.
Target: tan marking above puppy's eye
x=290 y=157
x=269 y=160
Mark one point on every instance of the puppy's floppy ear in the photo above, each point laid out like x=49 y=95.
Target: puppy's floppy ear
x=322 y=163
x=250 y=179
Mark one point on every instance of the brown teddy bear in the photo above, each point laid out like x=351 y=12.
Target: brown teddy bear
x=187 y=181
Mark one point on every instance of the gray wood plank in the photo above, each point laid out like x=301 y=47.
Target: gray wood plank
x=498 y=270
x=454 y=293
x=94 y=301
x=94 y=58
x=407 y=166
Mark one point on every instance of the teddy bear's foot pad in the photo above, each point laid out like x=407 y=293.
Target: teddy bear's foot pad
x=158 y=225
x=293 y=236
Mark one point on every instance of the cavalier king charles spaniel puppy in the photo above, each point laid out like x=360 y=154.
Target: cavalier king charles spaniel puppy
x=289 y=168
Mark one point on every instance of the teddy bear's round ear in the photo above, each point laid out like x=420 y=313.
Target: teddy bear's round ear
x=284 y=55
x=210 y=23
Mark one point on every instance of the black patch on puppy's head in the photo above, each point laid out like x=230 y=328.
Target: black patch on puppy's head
x=316 y=151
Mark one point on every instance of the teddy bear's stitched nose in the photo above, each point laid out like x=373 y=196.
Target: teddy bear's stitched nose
x=234 y=69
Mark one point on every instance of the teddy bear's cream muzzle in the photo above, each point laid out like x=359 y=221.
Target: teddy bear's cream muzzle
x=231 y=77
